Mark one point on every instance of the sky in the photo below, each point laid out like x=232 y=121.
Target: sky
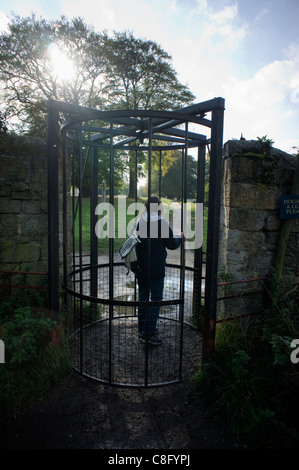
x=245 y=51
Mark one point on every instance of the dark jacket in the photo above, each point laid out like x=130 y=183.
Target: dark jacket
x=161 y=238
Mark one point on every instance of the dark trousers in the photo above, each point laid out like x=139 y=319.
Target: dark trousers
x=148 y=316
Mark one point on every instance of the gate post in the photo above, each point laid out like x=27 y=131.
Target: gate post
x=93 y=237
x=53 y=209
x=198 y=252
x=209 y=327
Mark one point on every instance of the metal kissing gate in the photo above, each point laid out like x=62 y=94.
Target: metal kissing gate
x=85 y=147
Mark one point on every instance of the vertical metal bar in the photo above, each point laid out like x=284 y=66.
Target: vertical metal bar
x=160 y=173
x=93 y=236
x=65 y=244
x=136 y=175
x=53 y=209
x=136 y=196
x=73 y=236
x=198 y=252
x=111 y=247
x=82 y=173
x=80 y=248
x=183 y=261
x=73 y=211
x=148 y=244
x=209 y=327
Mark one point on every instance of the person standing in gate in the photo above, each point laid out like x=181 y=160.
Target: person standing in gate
x=152 y=263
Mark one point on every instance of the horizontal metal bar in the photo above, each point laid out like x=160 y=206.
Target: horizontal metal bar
x=242 y=294
x=21 y=286
x=236 y=317
x=120 y=263
x=205 y=106
x=123 y=145
x=4 y=271
x=128 y=303
x=182 y=134
x=228 y=283
x=189 y=113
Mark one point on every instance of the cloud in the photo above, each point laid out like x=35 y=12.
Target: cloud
x=263 y=12
x=223 y=37
x=227 y=14
x=292 y=51
x=102 y=14
x=201 y=6
x=221 y=28
x=263 y=104
x=173 y=6
x=26 y=8
x=267 y=86
x=4 y=21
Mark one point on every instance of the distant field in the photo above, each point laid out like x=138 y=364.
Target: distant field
x=121 y=221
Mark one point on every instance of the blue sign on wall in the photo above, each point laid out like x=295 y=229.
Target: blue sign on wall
x=289 y=207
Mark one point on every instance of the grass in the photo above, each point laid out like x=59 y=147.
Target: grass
x=103 y=242
x=32 y=362
x=250 y=381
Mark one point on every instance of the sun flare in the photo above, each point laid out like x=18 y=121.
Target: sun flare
x=61 y=65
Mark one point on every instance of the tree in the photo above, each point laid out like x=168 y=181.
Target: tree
x=35 y=56
x=171 y=186
x=118 y=72
x=141 y=77
x=3 y=126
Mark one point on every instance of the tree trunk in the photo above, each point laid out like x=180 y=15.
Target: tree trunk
x=132 y=175
x=132 y=184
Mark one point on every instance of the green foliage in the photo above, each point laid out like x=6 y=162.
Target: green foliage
x=266 y=144
x=32 y=362
x=103 y=243
x=265 y=141
x=27 y=73
x=3 y=126
x=120 y=71
x=250 y=379
x=26 y=334
x=141 y=74
x=172 y=178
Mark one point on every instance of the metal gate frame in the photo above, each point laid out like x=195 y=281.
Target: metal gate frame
x=198 y=113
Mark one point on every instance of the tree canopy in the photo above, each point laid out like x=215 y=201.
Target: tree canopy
x=30 y=78
x=172 y=178
x=141 y=75
x=68 y=60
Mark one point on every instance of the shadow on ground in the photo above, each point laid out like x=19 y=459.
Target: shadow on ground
x=83 y=414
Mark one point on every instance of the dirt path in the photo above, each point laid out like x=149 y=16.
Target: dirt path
x=83 y=414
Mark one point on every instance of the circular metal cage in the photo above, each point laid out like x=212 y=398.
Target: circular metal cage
x=104 y=339
x=101 y=298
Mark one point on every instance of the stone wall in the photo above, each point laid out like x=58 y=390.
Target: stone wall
x=23 y=208
x=253 y=181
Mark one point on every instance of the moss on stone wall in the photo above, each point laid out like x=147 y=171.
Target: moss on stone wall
x=23 y=204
